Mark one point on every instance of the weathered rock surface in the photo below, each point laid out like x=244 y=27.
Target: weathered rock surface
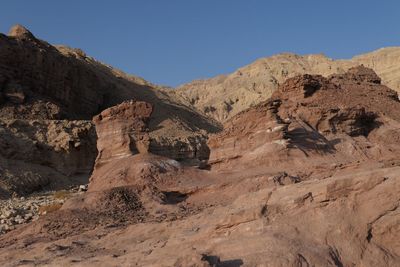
x=64 y=83
x=122 y=131
x=314 y=117
x=224 y=96
x=60 y=83
x=40 y=154
x=254 y=131
x=307 y=178
x=58 y=89
x=125 y=150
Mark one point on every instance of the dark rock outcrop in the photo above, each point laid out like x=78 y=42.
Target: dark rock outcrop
x=37 y=74
x=39 y=154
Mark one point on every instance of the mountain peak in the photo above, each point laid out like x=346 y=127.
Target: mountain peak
x=20 y=31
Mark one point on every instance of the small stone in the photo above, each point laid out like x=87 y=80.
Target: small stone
x=28 y=216
x=20 y=221
x=83 y=188
x=9 y=213
x=10 y=227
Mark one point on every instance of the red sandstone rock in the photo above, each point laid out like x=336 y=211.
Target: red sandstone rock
x=122 y=131
x=316 y=117
x=259 y=130
x=308 y=178
x=124 y=148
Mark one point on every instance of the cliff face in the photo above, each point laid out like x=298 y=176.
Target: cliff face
x=307 y=178
x=122 y=131
x=39 y=154
x=224 y=96
x=39 y=80
x=42 y=85
x=313 y=116
x=258 y=129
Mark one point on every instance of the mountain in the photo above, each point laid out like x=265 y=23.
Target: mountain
x=48 y=96
x=309 y=177
x=101 y=168
x=226 y=95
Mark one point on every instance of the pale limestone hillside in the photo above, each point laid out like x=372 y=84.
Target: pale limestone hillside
x=226 y=95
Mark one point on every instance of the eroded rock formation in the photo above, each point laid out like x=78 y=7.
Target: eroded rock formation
x=312 y=116
x=40 y=154
x=307 y=178
x=259 y=130
x=122 y=131
x=224 y=96
x=43 y=85
x=59 y=83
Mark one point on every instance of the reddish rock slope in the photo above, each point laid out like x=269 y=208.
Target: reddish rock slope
x=333 y=120
x=308 y=178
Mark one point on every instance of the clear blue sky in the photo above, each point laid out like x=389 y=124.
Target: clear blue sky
x=175 y=41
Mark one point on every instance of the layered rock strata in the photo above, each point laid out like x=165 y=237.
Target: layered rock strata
x=42 y=85
x=308 y=178
x=224 y=96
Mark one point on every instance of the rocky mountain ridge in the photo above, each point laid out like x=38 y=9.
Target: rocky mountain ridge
x=226 y=95
x=307 y=178
x=48 y=96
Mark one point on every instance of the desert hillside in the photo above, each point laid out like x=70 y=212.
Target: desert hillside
x=102 y=168
x=309 y=177
x=48 y=96
x=226 y=95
